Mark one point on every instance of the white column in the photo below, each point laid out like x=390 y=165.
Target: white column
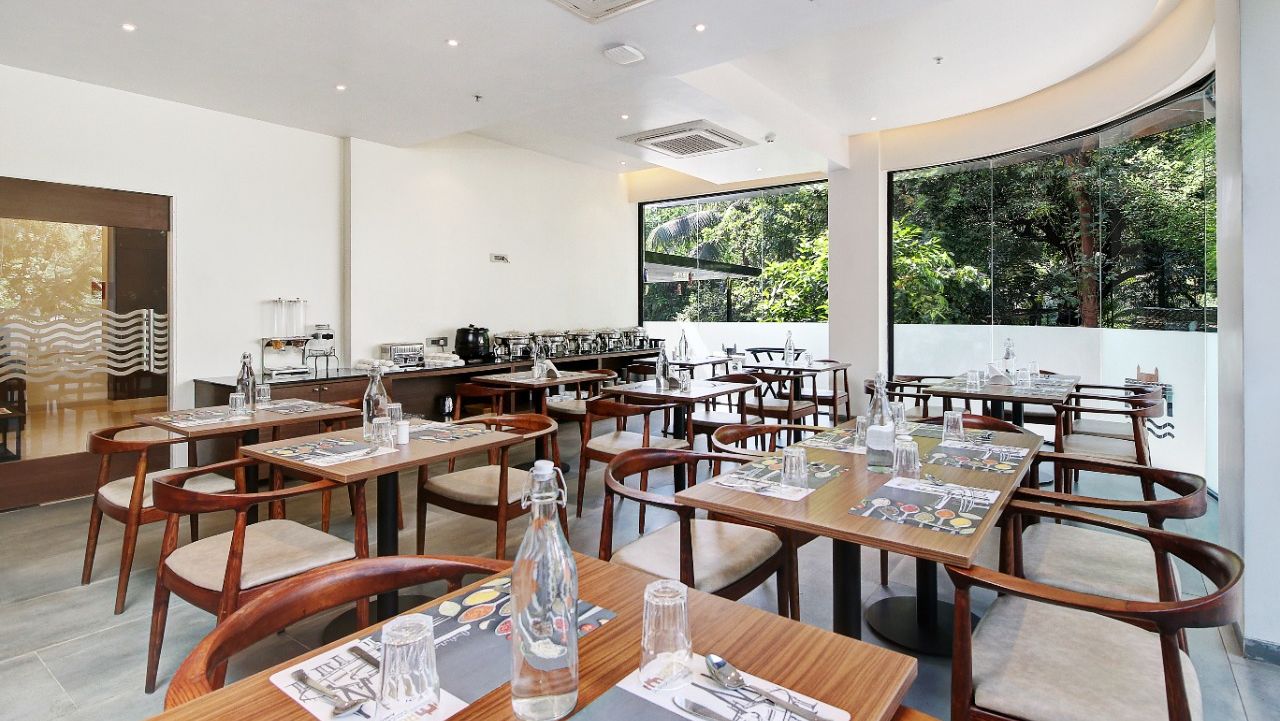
x=1248 y=269
x=857 y=291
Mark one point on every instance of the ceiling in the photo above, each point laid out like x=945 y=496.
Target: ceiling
x=809 y=71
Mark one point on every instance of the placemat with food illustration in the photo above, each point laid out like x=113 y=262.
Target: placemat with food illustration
x=933 y=430
x=198 y=417
x=447 y=432
x=633 y=698
x=836 y=439
x=944 y=507
x=976 y=456
x=327 y=451
x=473 y=657
x=764 y=477
x=293 y=406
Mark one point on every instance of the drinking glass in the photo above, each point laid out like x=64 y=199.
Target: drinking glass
x=972 y=380
x=984 y=376
x=665 y=645
x=686 y=380
x=410 y=678
x=860 y=434
x=237 y=404
x=1034 y=368
x=906 y=459
x=795 y=467
x=383 y=433
x=807 y=358
x=1022 y=377
x=953 y=426
x=262 y=394
x=395 y=412
x=899 y=415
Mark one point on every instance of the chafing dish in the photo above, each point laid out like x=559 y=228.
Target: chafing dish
x=552 y=341
x=635 y=338
x=609 y=339
x=512 y=344
x=581 y=341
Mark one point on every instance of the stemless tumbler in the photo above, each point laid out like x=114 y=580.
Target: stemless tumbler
x=395 y=412
x=236 y=402
x=906 y=459
x=860 y=434
x=899 y=414
x=262 y=394
x=665 y=644
x=972 y=380
x=953 y=426
x=410 y=678
x=795 y=467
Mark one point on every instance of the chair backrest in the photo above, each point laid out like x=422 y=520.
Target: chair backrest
x=973 y=421
x=769 y=352
x=527 y=425
x=1190 y=492
x=602 y=376
x=104 y=442
x=733 y=438
x=304 y=596
x=787 y=386
x=641 y=369
x=493 y=394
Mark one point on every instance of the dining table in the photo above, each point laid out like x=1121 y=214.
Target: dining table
x=1045 y=389
x=386 y=468
x=695 y=362
x=834 y=367
x=842 y=507
x=866 y=681
x=214 y=421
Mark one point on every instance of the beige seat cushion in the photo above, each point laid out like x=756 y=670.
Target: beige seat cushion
x=619 y=441
x=568 y=406
x=479 y=485
x=779 y=405
x=721 y=418
x=722 y=552
x=1108 y=429
x=1036 y=661
x=1090 y=561
x=273 y=549
x=1100 y=447
x=119 y=491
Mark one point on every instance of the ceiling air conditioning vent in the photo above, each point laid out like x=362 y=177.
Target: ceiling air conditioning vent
x=596 y=10
x=688 y=140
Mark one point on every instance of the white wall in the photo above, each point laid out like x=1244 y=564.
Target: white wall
x=255 y=205
x=424 y=221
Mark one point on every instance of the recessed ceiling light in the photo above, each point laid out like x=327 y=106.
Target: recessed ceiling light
x=759 y=170
x=624 y=116
x=622 y=162
x=873 y=117
x=451 y=43
x=128 y=27
x=340 y=88
x=700 y=27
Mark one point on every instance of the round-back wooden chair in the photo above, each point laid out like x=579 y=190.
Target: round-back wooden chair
x=605 y=446
x=221 y=572
x=719 y=554
x=130 y=501
x=741 y=409
x=491 y=398
x=490 y=491
x=733 y=438
x=1035 y=634
x=304 y=596
x=781 y=399
x=575 y=409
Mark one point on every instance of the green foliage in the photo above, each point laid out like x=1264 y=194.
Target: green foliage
x=783 y=233
x=925 y=276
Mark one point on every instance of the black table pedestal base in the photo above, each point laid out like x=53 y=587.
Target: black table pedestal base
x=895 y=619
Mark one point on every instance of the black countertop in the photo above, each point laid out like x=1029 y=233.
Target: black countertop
x=349 y=373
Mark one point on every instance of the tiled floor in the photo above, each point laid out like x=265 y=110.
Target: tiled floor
x=63 y=655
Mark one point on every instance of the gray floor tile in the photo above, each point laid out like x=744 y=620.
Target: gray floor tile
x=1259 y=684
x=32 y=693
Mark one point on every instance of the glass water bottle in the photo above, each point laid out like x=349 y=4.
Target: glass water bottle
x=544 y=615
x=246 y=382
x=1009 y=363
x=789 y=350
x=880 y=429
x=682 y=348
x=662 y=367
x=375 y=401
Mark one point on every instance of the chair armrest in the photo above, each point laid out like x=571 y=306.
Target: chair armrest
x=1061 y=408
x=169 y=495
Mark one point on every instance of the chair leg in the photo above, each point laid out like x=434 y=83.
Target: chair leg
x=793 y=586
x=194 y=519
x=583 y=463
x=399 y=511
x=126 y=562
x=422 y=511
x=644 y=486
x=783 y=581
x=501 y=553
x=884 y=568
x=326 y=507
x=159 y=614
x=91 y=545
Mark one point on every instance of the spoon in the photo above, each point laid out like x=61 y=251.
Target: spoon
x=727 y=675
x=340 y=707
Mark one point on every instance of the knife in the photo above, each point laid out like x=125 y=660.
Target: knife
x=363 y=655
x=699 y=710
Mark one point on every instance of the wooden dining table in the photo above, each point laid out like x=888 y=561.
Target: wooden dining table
x=865 y=680
x=386 y=468
x=246 y=428
x=1043 y=390
x=921 y=622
